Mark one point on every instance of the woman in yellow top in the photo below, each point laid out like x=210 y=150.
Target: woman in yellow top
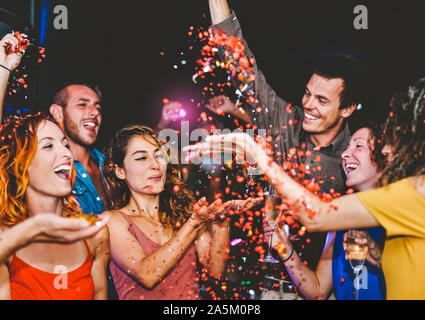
x=398 y=205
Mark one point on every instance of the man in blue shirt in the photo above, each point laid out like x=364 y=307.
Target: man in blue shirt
x=77 y=108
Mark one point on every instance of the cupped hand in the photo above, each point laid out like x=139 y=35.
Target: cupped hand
x=238 y=206
x=242 y=144
x=54 y=228
x=204 y=212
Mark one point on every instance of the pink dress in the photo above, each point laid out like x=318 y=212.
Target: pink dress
x=180 y=283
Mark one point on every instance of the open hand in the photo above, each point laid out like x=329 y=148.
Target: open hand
x=54 y=228
x=239 y=143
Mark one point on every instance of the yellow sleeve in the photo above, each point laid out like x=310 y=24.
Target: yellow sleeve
x=398 y=207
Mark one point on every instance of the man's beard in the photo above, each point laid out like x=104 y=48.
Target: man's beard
x=71 y=131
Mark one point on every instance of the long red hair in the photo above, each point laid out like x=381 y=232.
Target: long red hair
x=18 y=146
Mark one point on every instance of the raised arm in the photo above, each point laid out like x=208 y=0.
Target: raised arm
x=8 y=63
x=219 y=10
x=264 y=106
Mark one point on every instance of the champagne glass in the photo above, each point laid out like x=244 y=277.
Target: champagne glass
x=356 y=255
x=272 y=212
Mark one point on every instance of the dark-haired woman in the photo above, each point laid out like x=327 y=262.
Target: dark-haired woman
x=158 y=232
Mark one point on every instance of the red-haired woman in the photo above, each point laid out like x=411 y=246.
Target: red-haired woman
x=158 y=232
x=36 y=176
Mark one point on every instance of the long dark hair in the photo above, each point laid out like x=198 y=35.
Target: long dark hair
x=175 y=201
x=405 y=131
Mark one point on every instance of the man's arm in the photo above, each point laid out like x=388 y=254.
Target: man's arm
x=266 y=109
x=219 y=10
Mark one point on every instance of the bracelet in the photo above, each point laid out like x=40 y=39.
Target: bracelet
x=292 y=252
x=6 y=68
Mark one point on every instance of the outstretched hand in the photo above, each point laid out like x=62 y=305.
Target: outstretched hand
x=242 y=144
x=59 y=229
x=238 y=206
x=204 y=212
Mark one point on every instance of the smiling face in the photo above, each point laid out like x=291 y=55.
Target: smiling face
x=51 y=168
x=321 y=103
x=361 y=171
x=81 y=116
x=144 y=167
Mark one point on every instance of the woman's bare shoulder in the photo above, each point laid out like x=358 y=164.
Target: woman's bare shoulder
x=116 y=219
x=419 y=183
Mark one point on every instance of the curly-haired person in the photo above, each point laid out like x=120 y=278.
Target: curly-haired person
x=158 y=232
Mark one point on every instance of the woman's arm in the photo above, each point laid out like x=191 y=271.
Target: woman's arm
x=99 y=246
x=213 y=243
x=47 y=227
x=315 y=214
x=17 y=237
x=212 y=246
x=346 y=212
x=313 y=284
x=148 y=270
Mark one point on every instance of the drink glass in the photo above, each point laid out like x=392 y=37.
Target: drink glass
x=356 y=255
x=272 y=212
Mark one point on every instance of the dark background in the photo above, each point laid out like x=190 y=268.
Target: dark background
x=118 y=45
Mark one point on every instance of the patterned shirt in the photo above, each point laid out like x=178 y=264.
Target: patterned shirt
x=84 y=189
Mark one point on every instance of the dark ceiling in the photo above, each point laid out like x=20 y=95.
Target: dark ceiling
x=118 y=44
